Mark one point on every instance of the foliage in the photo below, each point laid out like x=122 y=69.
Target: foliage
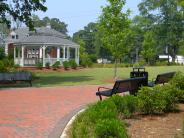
x=110 y=128
x=73 y=64
x=122 y=65
x=56 y=65
x=20 y=10
x=99 y=116
x=166 y=18
x=47 y=65
x=86 y=61
x=55 y=23
x=178 y=80
x=126 y=104
x=39 y=65
x=158 y=99
x=114 y=25
x=2 y=66
x=2 y=53
x=87 y=35
x=66 y=65
x=149 y=43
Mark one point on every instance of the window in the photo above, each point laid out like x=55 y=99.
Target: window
x=17 y=37
x=13 y=37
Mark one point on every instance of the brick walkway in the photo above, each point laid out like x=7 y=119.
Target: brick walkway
x=41 y=112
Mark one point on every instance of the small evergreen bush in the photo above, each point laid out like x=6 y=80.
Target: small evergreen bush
x=73 y=64
x=47 y=65
x=56 y=65
x=66 y=65
x=39 y=65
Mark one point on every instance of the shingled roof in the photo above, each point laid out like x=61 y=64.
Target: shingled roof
x=41 y=36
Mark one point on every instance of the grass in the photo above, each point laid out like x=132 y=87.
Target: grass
x=94 y=76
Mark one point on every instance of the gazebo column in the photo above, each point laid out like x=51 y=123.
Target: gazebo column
x=77 y=55
x=43 y=55
x=22 y=61
x=6 y=49
x=64 y=50
x=14 y=54
x=68 y=53
x=58 y=53
x=40 y=54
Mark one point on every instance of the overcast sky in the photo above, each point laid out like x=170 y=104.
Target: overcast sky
x=78 y=13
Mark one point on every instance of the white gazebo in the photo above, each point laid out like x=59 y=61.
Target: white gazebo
x=45 y=45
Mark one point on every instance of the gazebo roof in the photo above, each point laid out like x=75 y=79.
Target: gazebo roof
x=41 y=36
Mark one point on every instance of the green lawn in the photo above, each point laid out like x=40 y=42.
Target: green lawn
x=94 y=76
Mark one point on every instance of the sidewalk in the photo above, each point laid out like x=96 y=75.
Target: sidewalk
x=41 y=112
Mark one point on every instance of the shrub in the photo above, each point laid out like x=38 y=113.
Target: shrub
x=126 y=104
x=86 y=61
x=151 y=101
x=2 y=53
x=111 y=128
x=9 y=63
x=161 y=63
x=66 y=65
x=158 y=99
x=93 y=58
x=170 y=95
x=2 y=66
x=56 y=65
x=47 y=65
x=73 y=64
x=95 y=118
x=39 y=65
x=178 y=80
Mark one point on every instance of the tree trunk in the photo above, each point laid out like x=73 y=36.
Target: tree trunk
x=115 y=70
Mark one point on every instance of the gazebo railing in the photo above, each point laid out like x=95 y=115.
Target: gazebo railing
x=53 y=60
x=32 y=61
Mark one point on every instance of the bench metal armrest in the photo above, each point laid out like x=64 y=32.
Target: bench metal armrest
x=103 y=88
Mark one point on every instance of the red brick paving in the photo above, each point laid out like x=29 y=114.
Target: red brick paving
x=36 y=112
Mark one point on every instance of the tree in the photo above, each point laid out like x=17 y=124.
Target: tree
x=88 y=36
x=20 y=10
x=149 y=44
x=55 y=23
x=168 y=20
x=58 y=25
x=114 y=26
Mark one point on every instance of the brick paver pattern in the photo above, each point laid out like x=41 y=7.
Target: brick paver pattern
x=35 y=112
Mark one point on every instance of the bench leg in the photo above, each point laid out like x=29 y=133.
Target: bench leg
x=100 y=97
x=30 y=83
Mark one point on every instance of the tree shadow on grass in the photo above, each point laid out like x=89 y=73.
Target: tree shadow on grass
x=60 y=80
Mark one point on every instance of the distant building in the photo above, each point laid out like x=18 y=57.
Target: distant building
x=179 y=59
x=44 y=45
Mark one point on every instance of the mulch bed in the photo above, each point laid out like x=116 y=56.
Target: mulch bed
x=157 y=126
x=44 y=70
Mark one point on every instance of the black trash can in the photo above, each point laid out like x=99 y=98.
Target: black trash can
x=139 y=72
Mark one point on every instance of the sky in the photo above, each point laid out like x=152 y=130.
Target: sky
x=78 y=13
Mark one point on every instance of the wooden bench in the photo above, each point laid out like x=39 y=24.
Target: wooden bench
x=162 y=79
x=132 y=85
x=16 y=76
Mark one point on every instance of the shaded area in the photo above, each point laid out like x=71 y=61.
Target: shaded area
x=60 y=80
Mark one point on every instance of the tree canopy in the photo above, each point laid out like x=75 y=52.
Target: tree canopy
x=55 y=23
x=20 y=10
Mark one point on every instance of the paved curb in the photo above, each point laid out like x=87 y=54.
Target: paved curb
x=64 y=134
x=59 y=129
